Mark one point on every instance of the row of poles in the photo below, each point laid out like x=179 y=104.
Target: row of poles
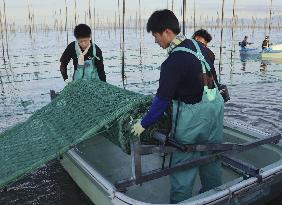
x=184 y=25
x=90 y=14
x=184 y=9
x=184 y=14
x=222 y=26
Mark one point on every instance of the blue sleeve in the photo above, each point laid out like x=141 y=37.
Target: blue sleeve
x=156 y=110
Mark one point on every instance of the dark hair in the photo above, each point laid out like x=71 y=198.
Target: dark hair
x=82 y=31
x=204 y=34
x=161 y=20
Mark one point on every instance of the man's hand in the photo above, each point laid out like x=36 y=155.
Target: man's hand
x=67 y=81
x=224 y=92
x=137 y=128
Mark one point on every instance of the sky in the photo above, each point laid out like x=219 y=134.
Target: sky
x=48 y=10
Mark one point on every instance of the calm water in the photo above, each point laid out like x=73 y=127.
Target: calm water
x=32 y=69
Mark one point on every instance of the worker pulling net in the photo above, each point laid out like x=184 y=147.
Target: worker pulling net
x=83 y=110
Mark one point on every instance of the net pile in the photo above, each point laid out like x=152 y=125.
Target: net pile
x=84 y=109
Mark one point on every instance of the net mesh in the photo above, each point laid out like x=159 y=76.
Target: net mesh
x=83 y=110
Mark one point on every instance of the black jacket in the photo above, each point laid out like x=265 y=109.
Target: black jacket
x=181 y=75
x=70 y=53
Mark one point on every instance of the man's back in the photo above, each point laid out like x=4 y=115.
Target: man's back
x=186 y=70
x=244 y=43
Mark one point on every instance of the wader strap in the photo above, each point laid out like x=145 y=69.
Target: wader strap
x=174 y=131
x=201 y=58
x=93 y=51
x=198 y=54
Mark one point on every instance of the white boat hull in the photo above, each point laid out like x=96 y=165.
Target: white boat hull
x=272 y=55
x=95 y=171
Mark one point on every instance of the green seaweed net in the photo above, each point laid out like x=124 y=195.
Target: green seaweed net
x=83 y=110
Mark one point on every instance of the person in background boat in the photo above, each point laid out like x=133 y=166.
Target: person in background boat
x=265 y=43
x=204 y=37
x=185 y=80
x=245 y=42
x=87 y=57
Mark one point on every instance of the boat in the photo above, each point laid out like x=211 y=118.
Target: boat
x=276 y=47
x=270 y=54
x=98 y=166
x=249 y=51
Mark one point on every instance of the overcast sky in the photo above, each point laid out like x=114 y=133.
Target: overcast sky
x=44 y=10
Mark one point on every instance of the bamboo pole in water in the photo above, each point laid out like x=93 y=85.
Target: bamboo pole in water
x=119 y=26
x=94 y=20
x=6 y=31
x=194 y=16
x=61 y=21
x=3 y=52
x=29 y=18
x=122 y=58
x=253 y=25
x=6 y=37
x=232 y=31
x=118 y=15
x=89 y=13
x=221 y=40
x=55 y=20
x=3 y=46
x=172 y=5
x=75 y=14
x=217 y=20
x=2 y=38
x=66 y=21
x=140 y=43
x=184 y=16
x=33 y=22
x=115 y=24
x=270 y=20
x=136 y=23
x=140 y=28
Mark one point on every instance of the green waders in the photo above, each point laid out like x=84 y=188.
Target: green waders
x=88 y=70
x=200 y=123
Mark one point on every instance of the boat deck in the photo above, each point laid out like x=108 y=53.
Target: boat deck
x=114 y=165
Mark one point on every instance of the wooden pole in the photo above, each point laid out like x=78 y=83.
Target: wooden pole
x=232 y=32
x=184 y=17
x=221 y=40
x=270 y=20
x=66 y=22
x=122 y=58
x=194 y=16
x=75 y=14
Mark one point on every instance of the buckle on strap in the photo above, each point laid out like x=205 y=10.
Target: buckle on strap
x=200 y=56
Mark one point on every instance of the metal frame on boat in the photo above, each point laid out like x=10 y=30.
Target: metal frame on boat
x=224 y=152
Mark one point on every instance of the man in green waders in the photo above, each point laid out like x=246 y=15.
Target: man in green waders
x=186 y=80
x=87 y=57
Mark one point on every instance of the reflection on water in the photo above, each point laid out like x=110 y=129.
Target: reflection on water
x=250 y=57
x=33 y=69
x=49 y=185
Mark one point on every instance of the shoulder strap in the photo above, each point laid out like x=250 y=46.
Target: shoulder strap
x=198 y=54
x=77 y=49
x=94 y=51
x=201 y=58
